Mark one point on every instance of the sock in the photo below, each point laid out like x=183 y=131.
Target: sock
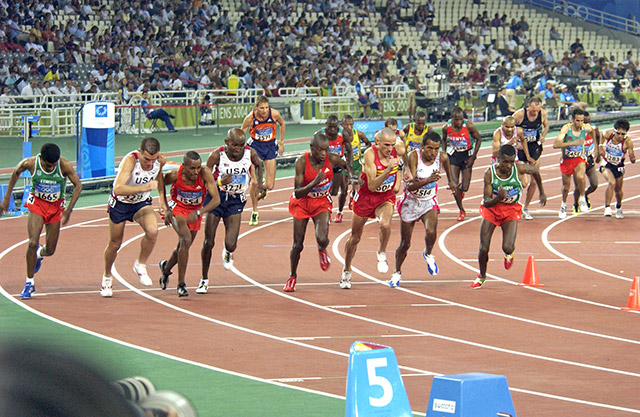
x=563 y=205
x=508 y=255
x=106 y=280
x=39 y=251
x=30 y=281
x=618 y=206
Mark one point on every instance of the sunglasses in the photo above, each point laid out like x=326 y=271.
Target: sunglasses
x=618 y=132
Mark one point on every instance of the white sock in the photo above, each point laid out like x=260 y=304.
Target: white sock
x=30 y=281
x=39 y=251
x=106 y=280
x=563 y=205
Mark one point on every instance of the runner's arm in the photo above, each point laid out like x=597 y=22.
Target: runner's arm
x=535 y=173
x=212 y=189
x=632 y=154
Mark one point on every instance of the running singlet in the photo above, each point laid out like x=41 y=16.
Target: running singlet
x=613 y=152
x=355 y=146
x=240 y=171
x=413 y=140
x=263 y=130
x=138 y=177
x=511 y=185
x=424 y=171
x=504 y=140
x=531 y=130
x=458 y=141
x=48 y=186
x=186 y=196
x=575 y=151
x=336 y=146
x=388 y=183
x=321 y=190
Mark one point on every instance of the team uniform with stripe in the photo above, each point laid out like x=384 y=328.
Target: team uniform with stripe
x=263 y=137
x=356 y=147
x=185 y=199
x=510 y=208
x=572 y=156
x=458 y=144
x=412 y=139
x=233 y=196
x=531 y=131
x=614 y=156
x=503 y=141
x=124 y=207
x=318 y=199
x=46 y=198
x=414 y=204
x=365 y=202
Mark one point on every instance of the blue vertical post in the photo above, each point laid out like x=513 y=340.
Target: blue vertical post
x=96 y=147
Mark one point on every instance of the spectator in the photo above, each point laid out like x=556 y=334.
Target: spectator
x=157 y=113
x=52 y=74
x=576 y=47
x=554 y=35
x=567 y=99
x=374 y=102
x=503 y=105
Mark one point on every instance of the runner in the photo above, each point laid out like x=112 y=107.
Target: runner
x=261 y=124
x=571 y=141
x=507 y=134
x=359 y=144
x=46 y=205
x=456 y=141
x=615 y=147
x=311 y=200
x=340 y=145
x=414 y=132
x=188 y=183
x=501 y=206
x=420 y=201
x=234 y=165
x=533 y=121
x=592 y=154
x=139 y=172
x=374 y=199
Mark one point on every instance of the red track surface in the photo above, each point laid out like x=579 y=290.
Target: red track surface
x=566 y=349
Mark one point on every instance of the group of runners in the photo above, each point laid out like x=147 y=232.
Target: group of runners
x=412 y=159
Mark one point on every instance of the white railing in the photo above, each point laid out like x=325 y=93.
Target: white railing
x=579 y=11
x=338 y=105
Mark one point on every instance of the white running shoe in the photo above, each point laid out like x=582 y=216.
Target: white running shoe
x=431 y=263
x=383 y=266
x=345 y=282
x=106 y=290
x=583 y=206
x=563 y=212
x=619 y=214
x=203 y=286
x=526 y=215
x=395 y=279
x=227 y=259
x=607 y=211
x=141 y=270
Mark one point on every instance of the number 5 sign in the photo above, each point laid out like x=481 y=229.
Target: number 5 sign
x=374 y=384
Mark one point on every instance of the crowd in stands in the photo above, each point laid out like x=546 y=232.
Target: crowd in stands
x=178 y=44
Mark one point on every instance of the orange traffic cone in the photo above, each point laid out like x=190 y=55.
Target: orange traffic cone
x=531 y=278
x=634 y=296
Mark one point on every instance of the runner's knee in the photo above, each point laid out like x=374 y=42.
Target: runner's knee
x=297 y=247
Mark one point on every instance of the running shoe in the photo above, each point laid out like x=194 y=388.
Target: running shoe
x=431 y=263
x=253 y=221
x=576 y=210
x=583 y=206
x=508 y=261
x=141 y=270
x=562 y=213
x=38 y=259
x=29 y=289
x=607 y=211
x=164 y=277
x=619 y=214
x=526 y=215
x=182 y=290
x=588 y=202
x=227 y=259
x=345 y=281
x=478 y=282
x=203 y=286
x=383 y=266
x=106 y=290
x=290 y=286
x=325 y=261
x=462 y=215
x=395 y=279
x=338 y=218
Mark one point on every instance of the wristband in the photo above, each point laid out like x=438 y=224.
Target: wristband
x=198 y=213
x=219 y=182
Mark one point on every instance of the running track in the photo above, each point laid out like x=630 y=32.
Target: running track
x=566 y=348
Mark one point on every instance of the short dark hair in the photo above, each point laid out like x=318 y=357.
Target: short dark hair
x=151 y=145
x=577 y=112
x=50 y=152
x=332 y=119
x=621 y=124
x=433 y=136
x=318 y=137
x=193 y=155
x=347 y=117
x=390 y=121
x=507 y=150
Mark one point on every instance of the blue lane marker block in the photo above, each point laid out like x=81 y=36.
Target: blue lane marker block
x=470 y=395
x=12 y=203
x=374 y=384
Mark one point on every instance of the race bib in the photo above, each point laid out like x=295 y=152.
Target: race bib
x=189 y=198
x=387 y=184
x=426 y=191
x=47 y=192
